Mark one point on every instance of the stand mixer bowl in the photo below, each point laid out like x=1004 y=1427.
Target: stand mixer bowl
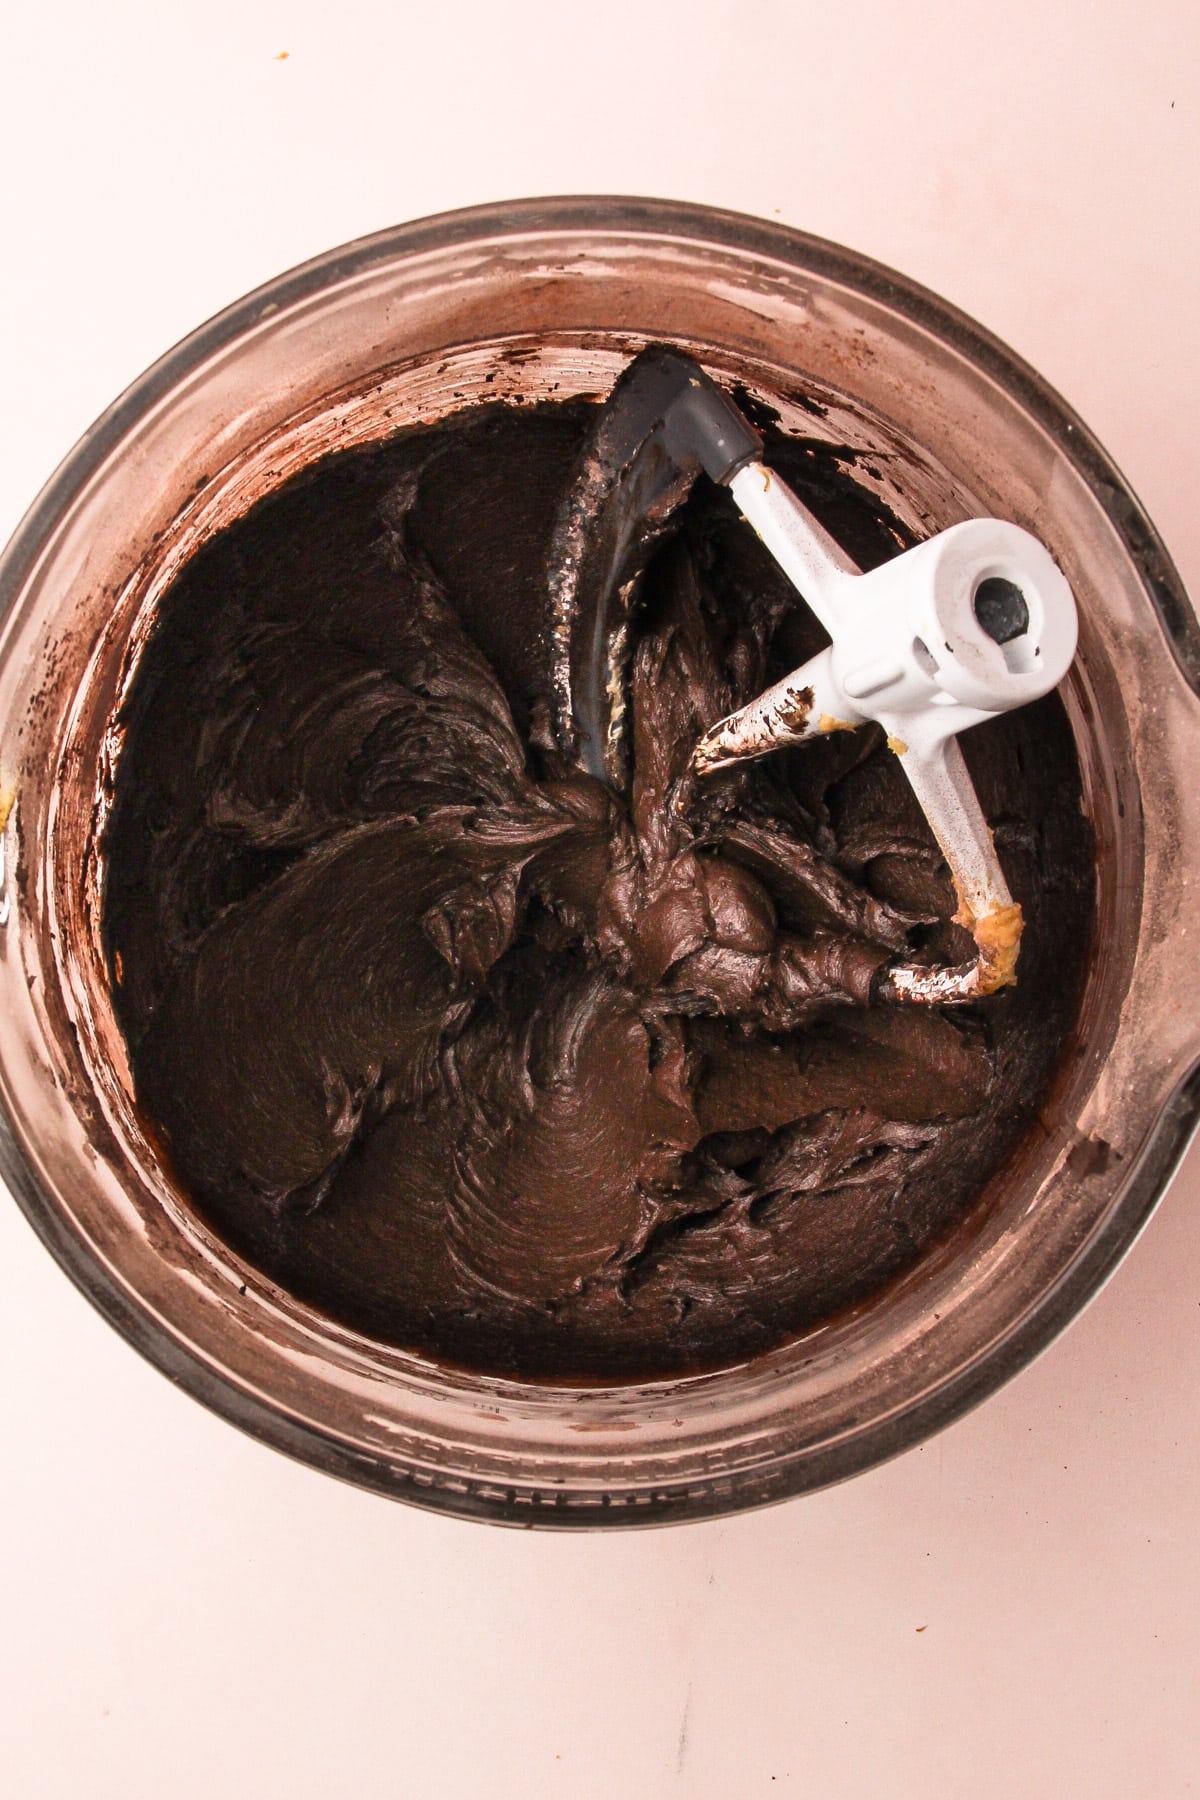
x=513 y=304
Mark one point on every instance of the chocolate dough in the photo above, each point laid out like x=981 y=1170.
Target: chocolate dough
x=487 y=1060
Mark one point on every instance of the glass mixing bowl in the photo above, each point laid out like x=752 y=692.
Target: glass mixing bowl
x=514 y=303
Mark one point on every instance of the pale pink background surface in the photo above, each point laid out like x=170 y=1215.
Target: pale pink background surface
x=1011 y=1610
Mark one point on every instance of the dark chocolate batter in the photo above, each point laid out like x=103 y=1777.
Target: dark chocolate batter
x=490 y=1061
